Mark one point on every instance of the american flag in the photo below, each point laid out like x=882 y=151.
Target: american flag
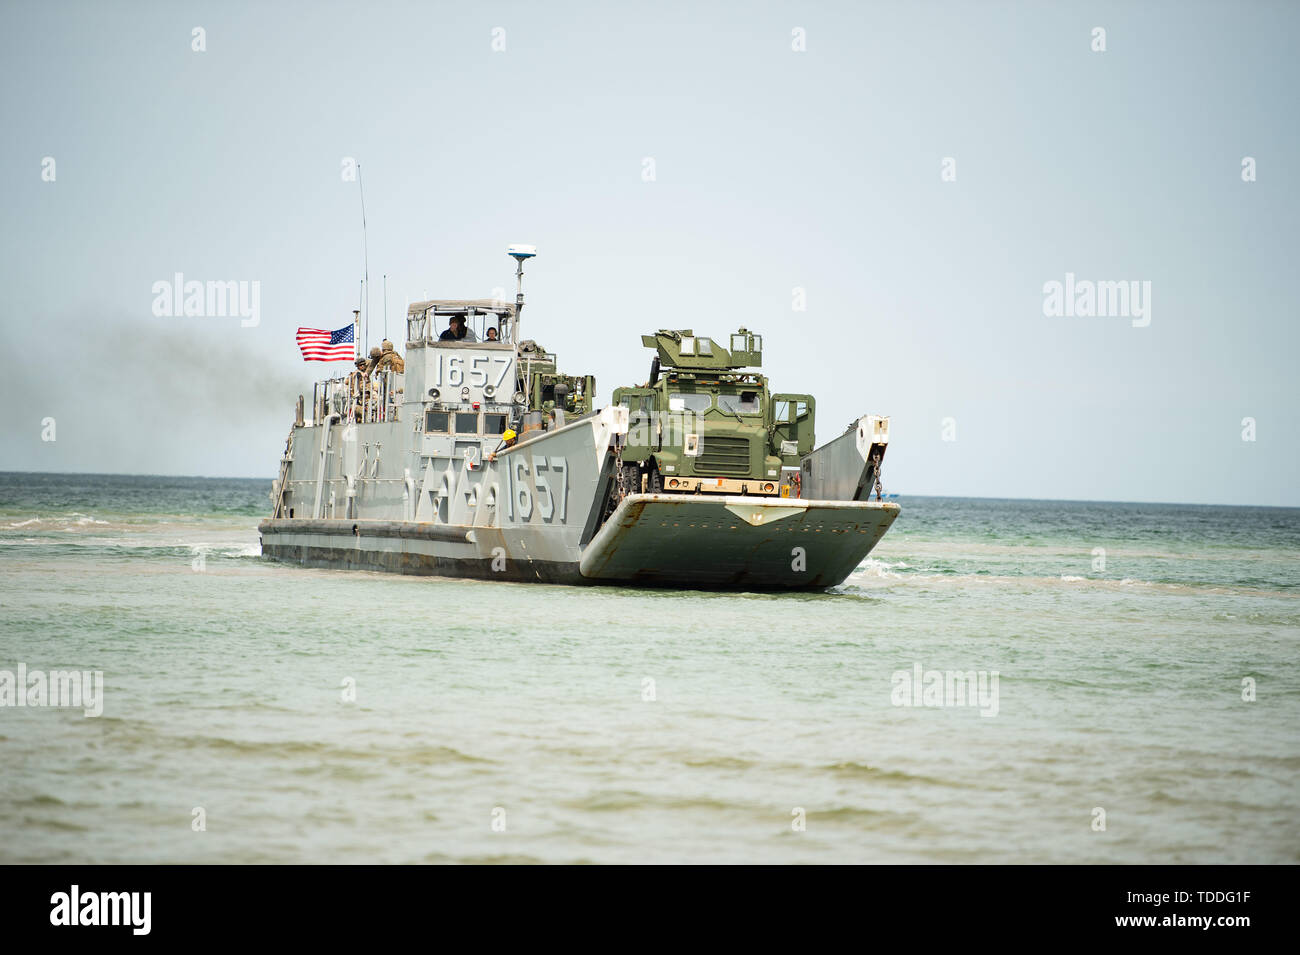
x=318 y=344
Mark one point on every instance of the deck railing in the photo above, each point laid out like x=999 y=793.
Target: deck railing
x=366 y=400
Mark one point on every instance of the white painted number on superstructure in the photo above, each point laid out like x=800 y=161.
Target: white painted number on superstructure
x=483 y=370
x=505 y=364
x=478 y=375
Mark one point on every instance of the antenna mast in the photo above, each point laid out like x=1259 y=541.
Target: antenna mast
x=519 y=253
x=356 y=321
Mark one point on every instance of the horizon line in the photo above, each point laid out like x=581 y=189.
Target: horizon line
x=965 y=497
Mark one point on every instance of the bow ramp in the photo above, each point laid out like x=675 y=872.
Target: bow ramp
x=735 y=541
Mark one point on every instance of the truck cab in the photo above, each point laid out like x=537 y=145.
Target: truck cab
x=706 y=422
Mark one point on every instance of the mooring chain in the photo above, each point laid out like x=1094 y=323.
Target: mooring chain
x=620 y=489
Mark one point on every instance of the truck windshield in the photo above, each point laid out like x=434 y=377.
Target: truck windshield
x=689 y=402
x=747 y=402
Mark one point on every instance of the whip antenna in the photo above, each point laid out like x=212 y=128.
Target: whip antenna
x=365 y=247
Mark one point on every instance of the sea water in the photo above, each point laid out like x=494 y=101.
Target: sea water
x=1001 y=681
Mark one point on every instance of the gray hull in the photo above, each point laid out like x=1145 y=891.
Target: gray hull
x=404 y=496
x=651 y=539
x=421 y=549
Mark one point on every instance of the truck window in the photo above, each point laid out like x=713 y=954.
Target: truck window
x=747 y=402
x=689 y=402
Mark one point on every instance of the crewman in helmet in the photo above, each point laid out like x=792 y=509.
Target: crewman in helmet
x=507 y=441
x=388 y=358
x=371 y=395
x=359 y=389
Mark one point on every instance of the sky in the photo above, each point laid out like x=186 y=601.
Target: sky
x=883 y=190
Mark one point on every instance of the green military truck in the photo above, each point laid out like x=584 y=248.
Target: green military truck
x=706 y=423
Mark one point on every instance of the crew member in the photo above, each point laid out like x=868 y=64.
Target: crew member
x=389 y=359
x=492 y=334
x=507 y=441
x=458 y=330
x=359 y=389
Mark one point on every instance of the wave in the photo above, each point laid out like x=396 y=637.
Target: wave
x=873 y=577
x=880 y=569
x=74 y=519
x=203 y=549
x=888 y=776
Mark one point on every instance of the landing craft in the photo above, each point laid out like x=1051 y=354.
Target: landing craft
x=699 y=477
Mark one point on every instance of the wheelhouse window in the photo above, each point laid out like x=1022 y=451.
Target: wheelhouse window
x=467 y=422
x=435 y=422
x=747 y=402
x=494 y=424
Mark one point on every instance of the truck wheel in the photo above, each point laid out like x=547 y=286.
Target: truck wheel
x=654 y=482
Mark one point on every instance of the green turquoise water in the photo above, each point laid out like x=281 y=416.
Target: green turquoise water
x=1120 y=687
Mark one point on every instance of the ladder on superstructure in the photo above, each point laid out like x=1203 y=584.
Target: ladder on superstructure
x=284 y=473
